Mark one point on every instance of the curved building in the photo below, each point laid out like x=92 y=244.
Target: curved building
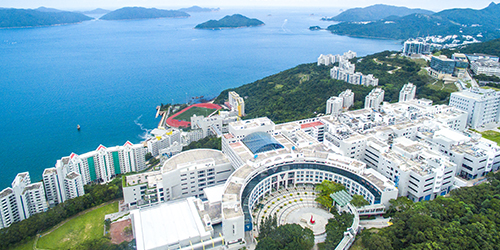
x=280 y=159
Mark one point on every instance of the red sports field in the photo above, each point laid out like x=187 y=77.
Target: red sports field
x=171 y=121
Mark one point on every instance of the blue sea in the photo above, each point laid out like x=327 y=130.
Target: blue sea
x=108 y=76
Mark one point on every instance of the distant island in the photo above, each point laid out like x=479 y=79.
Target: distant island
x=230 y=22
x=481 y=24
x=199 y=9
x=374 y=13
x=19 y=18
x=315 y=28
x=142 y=13
x=97 y=11
x=45 y=9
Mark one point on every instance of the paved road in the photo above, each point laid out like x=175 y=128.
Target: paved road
x=379 y=222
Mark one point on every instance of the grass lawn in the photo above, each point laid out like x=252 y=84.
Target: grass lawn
x=79 y=229
x=488 y=87
x=439 y=85
x=492 y=135
x=186 y=116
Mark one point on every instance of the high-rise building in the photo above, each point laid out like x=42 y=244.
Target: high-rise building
x=237 y=103
x=348 y=98
x=374 y=98
x=407 y=93
x=411 y=47
x=481 y=105
x=334 y=105
x=21 y=201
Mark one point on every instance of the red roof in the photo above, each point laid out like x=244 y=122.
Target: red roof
x=128 y=143
x=72 y=155
x=100 y=147
x=311 y=124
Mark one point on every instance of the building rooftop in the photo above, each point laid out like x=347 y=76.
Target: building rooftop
x=33 y=186
x=151 y=178
x=168 y=224
x=311 y=124
x=72 y=175
x=6 y=192
x=49 y=171
x=194 y=157
x=259 y=142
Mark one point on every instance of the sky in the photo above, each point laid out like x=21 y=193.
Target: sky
x=435 y=5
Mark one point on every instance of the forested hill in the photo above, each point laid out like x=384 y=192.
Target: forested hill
x=482 y=24
x=142 y=13
x=469 y=218
x=374 y=13
x=16 y=18
x=302 y=92
x=234 y=21
x=491 y=47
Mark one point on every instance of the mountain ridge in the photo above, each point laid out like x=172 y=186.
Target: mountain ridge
x=374 y=13
x=128 y=13
x=481 y=24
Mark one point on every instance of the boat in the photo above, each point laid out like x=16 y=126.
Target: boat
x=78 y=127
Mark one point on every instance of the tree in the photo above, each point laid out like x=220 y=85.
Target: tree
x=326 y=188
x=288 y=236
x=128 y=230
x=466 y=219
x=359 y=201
x=148 y=156
x=268 y=226
x=400 y=204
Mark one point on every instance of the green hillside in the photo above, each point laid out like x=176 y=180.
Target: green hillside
x=15 y=18
x=374 y=13
x=302 y=92
x=234 y=21
x=482 y=24
x=142 y=13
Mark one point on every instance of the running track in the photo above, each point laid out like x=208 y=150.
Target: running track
x=178 y=123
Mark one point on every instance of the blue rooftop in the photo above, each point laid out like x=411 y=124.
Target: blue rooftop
x=259 y=142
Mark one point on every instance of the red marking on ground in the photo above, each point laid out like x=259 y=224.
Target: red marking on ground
x=311 y=124
x=117 y=234
x=178 y=123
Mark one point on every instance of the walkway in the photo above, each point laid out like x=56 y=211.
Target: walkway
x=283 y=202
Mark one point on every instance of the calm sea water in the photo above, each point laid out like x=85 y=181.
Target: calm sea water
x=108 y=76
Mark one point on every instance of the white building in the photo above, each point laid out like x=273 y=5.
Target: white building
x=184 y=175
x=374 y=99
x=348 y=98
x=407 y=93
x=482 y=105
x=62 y=183
x=411 y=47
x=163 y=139
x=345 y=72
x=213 y=125
x=331 y=59
x=67 y=178
x=419 y=172
x=334 y=105
x=474 y=157
x=236 y=103
x=288 y=157
x=485 y=67
x=21 y=201
x=180 y=224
